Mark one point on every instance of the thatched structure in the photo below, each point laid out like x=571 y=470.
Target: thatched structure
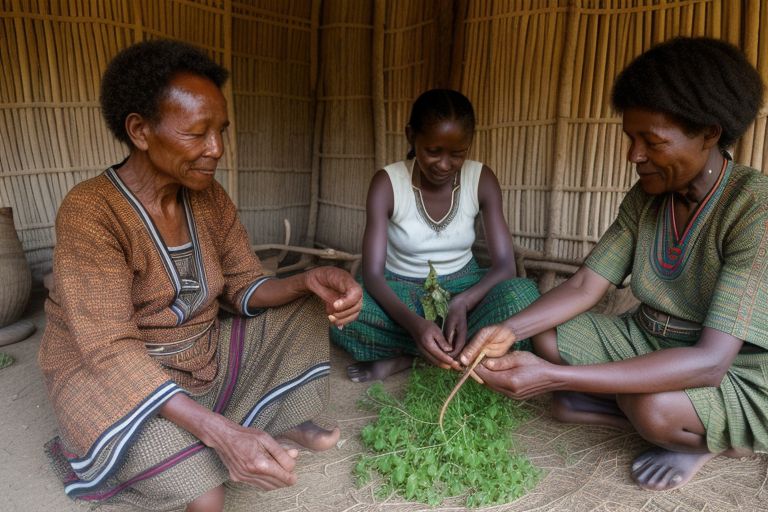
x=321 y=89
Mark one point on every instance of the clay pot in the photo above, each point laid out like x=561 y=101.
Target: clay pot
x=15 y=275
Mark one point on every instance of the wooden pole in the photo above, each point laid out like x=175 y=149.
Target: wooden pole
x=232 y=178
x=377 y=85
x=561 y=140
x=318 y=108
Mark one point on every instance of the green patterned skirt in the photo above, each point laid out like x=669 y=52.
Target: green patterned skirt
x=735 y=413
x=375 y=335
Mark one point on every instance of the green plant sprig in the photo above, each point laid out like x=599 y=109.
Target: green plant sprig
x=474 y=458
x=435 y=299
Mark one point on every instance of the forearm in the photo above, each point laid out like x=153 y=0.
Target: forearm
x=378 y=288
x=579 y=294
x=671 y=369
x=192 y=417
x=276 y=292
x=476 y=293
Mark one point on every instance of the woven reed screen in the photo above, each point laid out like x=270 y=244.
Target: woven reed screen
x=321 y=90
x=54 y=52
x=539 y=73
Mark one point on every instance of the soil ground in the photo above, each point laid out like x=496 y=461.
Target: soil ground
x=586 y=467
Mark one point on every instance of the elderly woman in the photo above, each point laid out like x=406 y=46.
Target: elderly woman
x=159 y=395
x=689 y=368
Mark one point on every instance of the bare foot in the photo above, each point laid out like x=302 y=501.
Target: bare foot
x=309 y=435
x=365 y=371
x=582 y=408
x=211 y=501
x=663 y=470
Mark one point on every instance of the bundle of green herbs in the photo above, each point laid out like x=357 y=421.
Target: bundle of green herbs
x=473 y=457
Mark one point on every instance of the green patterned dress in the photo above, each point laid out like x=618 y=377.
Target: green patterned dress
x=375 y=335
x=714 y=274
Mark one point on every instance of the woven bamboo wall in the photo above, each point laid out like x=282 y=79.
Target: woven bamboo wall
x=54 y=52
x=321 y=90
x=273 y=71
x=539 y=73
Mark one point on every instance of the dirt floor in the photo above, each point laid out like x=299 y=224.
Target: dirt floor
x=587 y=468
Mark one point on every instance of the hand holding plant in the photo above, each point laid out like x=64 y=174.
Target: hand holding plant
x=495 y=339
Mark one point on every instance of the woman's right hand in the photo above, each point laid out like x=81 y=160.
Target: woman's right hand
x=433 y=345
x=252 y=456
x=496 y=339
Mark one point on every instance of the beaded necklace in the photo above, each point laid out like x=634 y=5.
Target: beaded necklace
x=440 y=224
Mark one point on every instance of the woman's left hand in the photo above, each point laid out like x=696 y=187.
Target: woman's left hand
x=455 y=328
x=342 y=295
x=520 y=375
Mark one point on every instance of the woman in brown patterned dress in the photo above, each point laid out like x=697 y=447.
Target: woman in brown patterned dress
x=160 y=395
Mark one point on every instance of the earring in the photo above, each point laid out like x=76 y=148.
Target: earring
x=709 y=171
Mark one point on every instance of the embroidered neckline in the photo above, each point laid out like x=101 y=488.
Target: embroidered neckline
x=179 y=309
x=440 y=224
x=670 y=250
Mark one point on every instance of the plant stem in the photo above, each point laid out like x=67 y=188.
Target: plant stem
x=463 y=379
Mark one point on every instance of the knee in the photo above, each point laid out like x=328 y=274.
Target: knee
x=561 y=407
x=652 y=415
x=545 y=346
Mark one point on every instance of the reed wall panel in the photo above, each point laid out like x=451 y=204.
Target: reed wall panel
x=320 y=93
x=271 y=81
x=346 y=149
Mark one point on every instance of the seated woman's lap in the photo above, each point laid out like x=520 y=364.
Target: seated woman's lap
x=375 y=335
x=732 y=414
x=167 y=466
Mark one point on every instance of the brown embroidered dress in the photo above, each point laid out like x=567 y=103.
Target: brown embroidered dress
x=131 y=323
x=713 y=273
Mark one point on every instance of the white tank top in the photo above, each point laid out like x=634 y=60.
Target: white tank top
x=413 y=238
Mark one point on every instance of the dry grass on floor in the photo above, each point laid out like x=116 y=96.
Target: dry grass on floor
x=587 y=467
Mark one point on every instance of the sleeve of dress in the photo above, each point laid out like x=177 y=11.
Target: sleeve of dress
x=242 y=269
x=613 y=255
x=739 y=303
x=102 y=382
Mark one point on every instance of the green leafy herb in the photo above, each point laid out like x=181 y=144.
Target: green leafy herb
x=435 y=298
x=474 y=458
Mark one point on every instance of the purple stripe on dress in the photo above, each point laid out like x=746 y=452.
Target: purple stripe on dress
x=149 y=473
x=236 y=339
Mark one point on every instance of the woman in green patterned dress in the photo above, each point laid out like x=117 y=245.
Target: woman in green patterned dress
x=688 y=368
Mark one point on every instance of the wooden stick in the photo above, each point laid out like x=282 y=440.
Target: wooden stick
x=463 y=378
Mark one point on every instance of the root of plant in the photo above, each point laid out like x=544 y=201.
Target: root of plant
x=473 y=459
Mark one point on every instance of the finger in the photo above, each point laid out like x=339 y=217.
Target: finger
x=350 y=298
x=506 y=362
x=344 y=317
x=444 y=357
x=475 y=346
x=437 y=357
x=461 y=339
x=284 y=459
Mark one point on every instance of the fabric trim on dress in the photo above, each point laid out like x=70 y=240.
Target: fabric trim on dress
x=317 y=371
x=247 y=296
x=177 y=307
x=109 y=449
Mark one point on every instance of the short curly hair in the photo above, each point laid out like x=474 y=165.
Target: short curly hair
x=698 y=81
x=437 y=105
x=137 y=78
